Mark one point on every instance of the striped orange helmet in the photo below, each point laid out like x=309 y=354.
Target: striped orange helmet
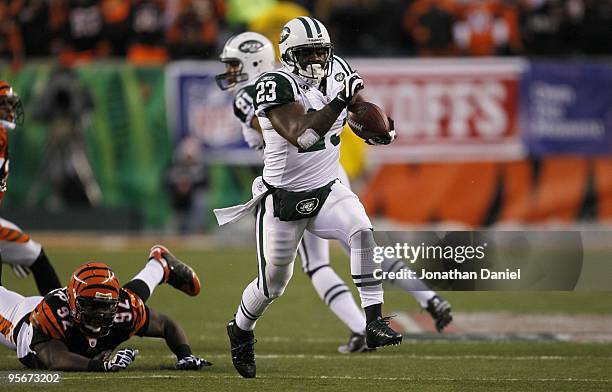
x=11 y=111
x=93 y=295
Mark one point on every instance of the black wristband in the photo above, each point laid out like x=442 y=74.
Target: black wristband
x=337 y=105
x=182 y=351
x=95 y=365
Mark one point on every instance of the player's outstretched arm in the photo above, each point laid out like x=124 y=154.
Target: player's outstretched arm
x=54 y=354
x=162 y=326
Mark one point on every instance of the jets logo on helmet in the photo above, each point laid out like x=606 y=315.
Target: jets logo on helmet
x=11 y=111
x=284 y=34
x=306 y=49
x=246 y=56
x=251 y=46
x=93 y=297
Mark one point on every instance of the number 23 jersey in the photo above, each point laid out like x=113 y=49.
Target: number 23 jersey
x=51 y=320
x=285 y=165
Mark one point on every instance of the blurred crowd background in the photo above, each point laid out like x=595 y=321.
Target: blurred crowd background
x=122 y=134
x=156 y=31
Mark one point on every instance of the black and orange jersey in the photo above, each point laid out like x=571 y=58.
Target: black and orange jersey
x=51 y=319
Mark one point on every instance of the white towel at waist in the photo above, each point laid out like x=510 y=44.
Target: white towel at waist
x=235 y=213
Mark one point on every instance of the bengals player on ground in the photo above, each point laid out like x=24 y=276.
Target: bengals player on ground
x=76 y=328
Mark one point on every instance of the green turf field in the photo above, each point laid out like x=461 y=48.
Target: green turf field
x=297 y=339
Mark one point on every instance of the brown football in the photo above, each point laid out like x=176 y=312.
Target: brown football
x=367 y=120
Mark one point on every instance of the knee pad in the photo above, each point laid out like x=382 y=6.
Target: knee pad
x=276 y=292
x=281 y=247
x=362 y=239
x=278 y=278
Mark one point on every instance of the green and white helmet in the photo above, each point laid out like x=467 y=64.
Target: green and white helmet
x=306 y=48
x=246 y=56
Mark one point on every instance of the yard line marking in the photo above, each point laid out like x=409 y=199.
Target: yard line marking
x=285 y=339
x=359 y=378
x=452 y=337
x=407 y=323
x=369 y=356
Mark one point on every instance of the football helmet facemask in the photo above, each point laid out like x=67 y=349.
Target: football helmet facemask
x=306 y=49
x=11 y=110
x=93 y=297
x=245 y=56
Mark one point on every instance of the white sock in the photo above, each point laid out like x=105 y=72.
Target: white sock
x=415 y=287
x=337 y=296
x=370 y=289
x=252 y=305
x=152 y=274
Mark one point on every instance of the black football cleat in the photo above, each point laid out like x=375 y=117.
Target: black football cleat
x=243 y=352
x=379 y=333
x=176 y=273
x=356 y=344
x=440 y=311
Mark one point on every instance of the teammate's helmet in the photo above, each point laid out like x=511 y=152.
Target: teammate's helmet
x=306 y=48
x=93 y=296
x=11 y=111
x=245 y=56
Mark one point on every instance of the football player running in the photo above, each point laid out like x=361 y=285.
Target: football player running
x=17 y=249
x=246 y=56
x=301 y=111
x=76 y=328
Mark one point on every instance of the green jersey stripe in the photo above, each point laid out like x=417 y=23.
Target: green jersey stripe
x=306 y=26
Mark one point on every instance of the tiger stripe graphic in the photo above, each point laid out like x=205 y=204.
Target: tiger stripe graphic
x=43 y=317
x=138 y=311
x=97 y=277
x=12 y=235
x=6 y=328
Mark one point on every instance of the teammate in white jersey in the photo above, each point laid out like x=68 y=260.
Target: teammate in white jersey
x=246 y=56
x=301 y=111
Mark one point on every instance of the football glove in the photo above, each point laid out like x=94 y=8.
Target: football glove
x=122 y=359
x=21 y=271
x=191 y=362
x=352 y=85
x=384 y=140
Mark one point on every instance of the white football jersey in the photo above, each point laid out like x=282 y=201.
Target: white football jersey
x=244 y=110
x=287 y=166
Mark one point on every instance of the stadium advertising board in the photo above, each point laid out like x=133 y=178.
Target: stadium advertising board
x=198 y=108
x=447 y=109
x=567 y=108
x=443 y=109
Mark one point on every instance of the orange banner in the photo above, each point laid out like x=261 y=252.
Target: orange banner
x=557 y=190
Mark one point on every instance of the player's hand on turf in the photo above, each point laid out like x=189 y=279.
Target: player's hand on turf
x=20 y=271
x=386 y=139
x=352 y=85
x=191 y=363
x=122 y=359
